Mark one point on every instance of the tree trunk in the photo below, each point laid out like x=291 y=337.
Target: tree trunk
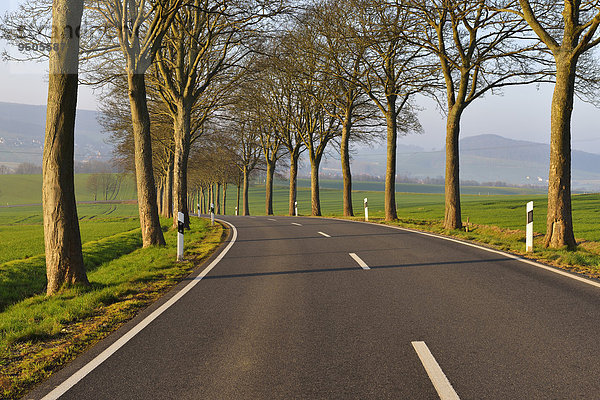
x=204 y=201
x=345 y=157
x=201 y=200
x=167 y=182
x=62 y=239
x=559 y=229
x=218 y=199
x=390 y=172
x=452 y=218
x=315 y=201
x=169 y=189
x=182 y=129
x=224 y=198
x=160 y=193
x=238 y=198
x=293 y=183
x=146 y=189
x=269 y=187
x=246 y=174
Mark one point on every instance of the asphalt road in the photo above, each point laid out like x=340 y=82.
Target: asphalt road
x=288 y=313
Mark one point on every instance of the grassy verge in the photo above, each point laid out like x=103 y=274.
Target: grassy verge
x=22 y=230
x=20 y=279
x=585 y=260
x=39 y=334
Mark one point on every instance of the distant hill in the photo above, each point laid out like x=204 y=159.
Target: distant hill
x=483 y=158
x=22 y=135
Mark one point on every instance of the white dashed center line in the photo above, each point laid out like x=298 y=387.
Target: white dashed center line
x=360 y=262
x=438 y=378
x=297 y=224
x=324 y=234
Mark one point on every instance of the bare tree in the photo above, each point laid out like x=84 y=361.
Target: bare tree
x=315 y=126
x=477 y=50
x=278 y=101
x=201 y=46
x=247 y=150
x=569 y=29
x=64 y=258
x=28 y=168
x=271 y=144
x=107 y=184
x=395 y=72
x=255 y=98
x=139 y=27
x=339 y=59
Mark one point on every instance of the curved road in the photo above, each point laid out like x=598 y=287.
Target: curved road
x=306 y=308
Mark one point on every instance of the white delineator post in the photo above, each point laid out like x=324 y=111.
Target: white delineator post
x=529 y=229
x=212 y=214
x=198 y=206
x=366 y=210
x=180 y=226
x=296 y=208
x=236 y=212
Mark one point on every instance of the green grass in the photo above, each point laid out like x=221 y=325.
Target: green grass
x=27 y=189
x=22 y=232
x=39 y=334
x=504 y=211
x=111 y=275
x=417 y=188
x=585 y=260
x=20 y=279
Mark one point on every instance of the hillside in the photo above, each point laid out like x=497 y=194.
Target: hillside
x=483 y=158
x=22 y=135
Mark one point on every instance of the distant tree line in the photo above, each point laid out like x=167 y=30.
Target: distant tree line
x=80 y=167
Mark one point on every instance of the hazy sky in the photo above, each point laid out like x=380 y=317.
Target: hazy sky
x=521 y=113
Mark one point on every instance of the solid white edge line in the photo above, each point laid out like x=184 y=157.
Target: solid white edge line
x=99 y=359
x=436 y=375
x=297 y=224
x=502 y=253
x=359 y=260
x=324 y=234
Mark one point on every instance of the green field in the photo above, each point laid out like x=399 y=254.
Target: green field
x=504 y=211
x=27 y=189
x=418 y=188
x=21 y=231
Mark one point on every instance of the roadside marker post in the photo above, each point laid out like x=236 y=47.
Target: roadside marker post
x=198 y=206
x=529 y=229
x=366 y=210
x=180 y=226
x=212 y=214
x=236 y=212
x=296 y=208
